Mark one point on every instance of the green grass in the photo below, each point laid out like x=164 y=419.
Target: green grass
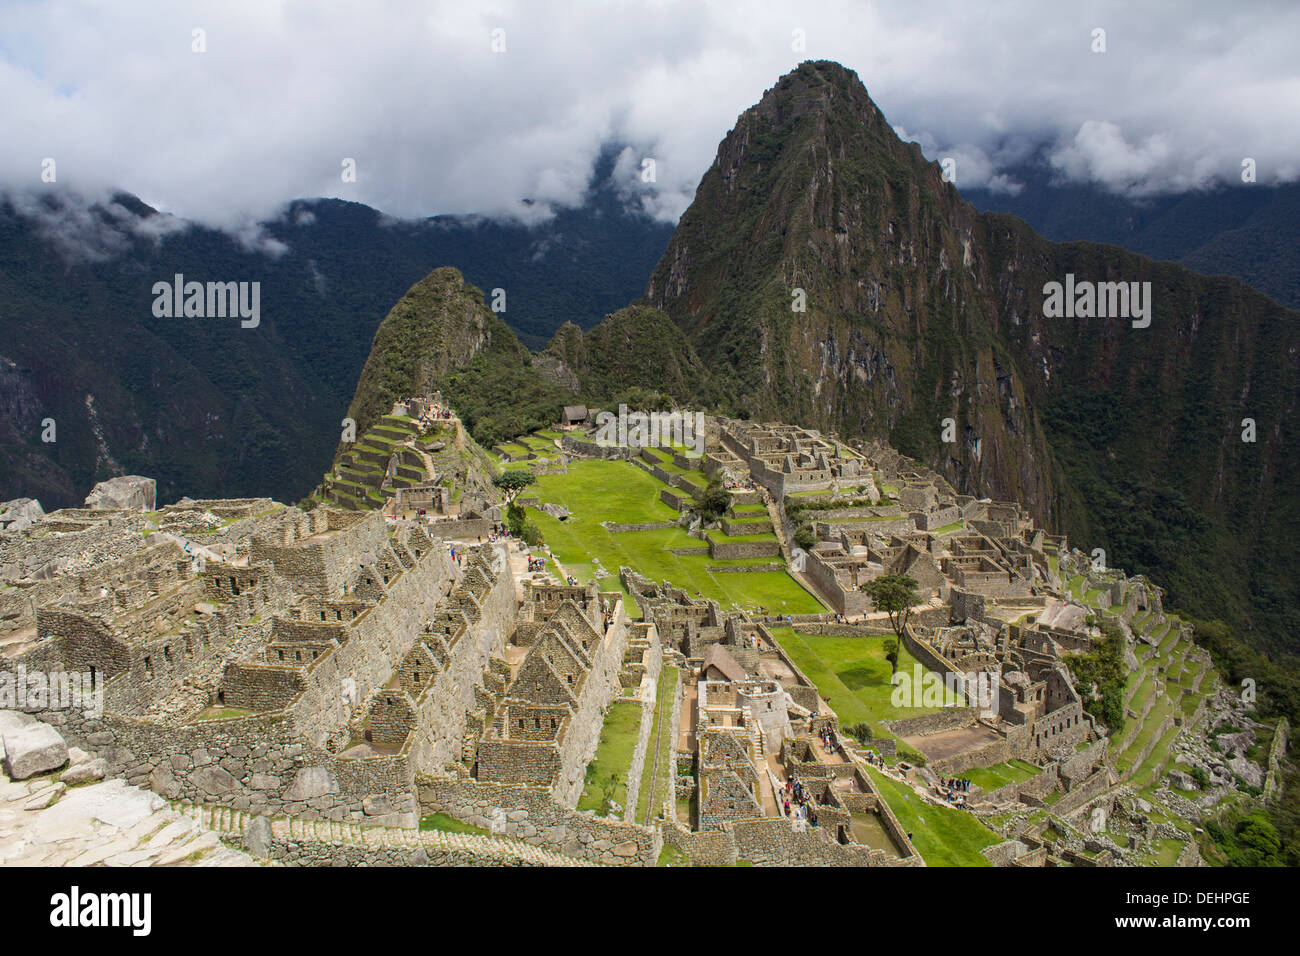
x=851 y=673
x=622 y=493
x=671 y=856
x=222 y=713
x=1159 y=710
x=943 y=837
x=613 y=754
x=440 y=821
x=721 y=537
x=999 y=775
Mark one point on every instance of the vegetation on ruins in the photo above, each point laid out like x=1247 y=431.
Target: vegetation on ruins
x=519 y=525
x=804 y=537
x=1250 y=840
x=861 y=732
x=712 y=504
x=1100 y=675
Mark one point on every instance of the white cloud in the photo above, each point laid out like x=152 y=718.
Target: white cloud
x=438 y=123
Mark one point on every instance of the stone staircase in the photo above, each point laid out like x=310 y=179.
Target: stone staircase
x=226 y=821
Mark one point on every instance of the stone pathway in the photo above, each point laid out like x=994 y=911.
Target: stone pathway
x=109 y=824
x=225 y=820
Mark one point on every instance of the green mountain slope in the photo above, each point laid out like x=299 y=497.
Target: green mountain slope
x=920 y=309
x=636 y=348
x=441 y=336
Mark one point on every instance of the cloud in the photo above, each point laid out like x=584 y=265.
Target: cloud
x=437 y=122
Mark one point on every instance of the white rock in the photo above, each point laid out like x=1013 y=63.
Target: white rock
x=45 y=798
x=129 y=492
x=84 y=772
x=36 y=748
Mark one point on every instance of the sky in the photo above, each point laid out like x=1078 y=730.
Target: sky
x=222 y=112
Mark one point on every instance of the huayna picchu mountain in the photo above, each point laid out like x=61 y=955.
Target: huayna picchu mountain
x=918 y=308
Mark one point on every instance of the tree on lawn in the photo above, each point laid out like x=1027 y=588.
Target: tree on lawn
x=513 y=481
x=896 y=595
x=891 y=653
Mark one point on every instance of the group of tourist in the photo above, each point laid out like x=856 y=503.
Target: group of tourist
x=955 y=790
x=797 y=802
x=829 y=740
x=536 y=564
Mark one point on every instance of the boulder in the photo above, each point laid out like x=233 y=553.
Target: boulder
x=20 y=513
x=212 y=780
x=376 y=805
x=14 y=720
x=85 y=772
x=310 y=783
x=161 y=781
x=1247 y=770
x=257 y=837
x=126 y=492
x=35 y=748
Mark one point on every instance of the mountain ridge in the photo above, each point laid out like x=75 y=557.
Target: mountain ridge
x=921 y=309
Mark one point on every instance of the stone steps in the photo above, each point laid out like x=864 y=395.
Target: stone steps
x=224 y=820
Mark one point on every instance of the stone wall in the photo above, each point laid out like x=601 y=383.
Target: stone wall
x=652 y=662
x=731 y=550
x=950 y=718
x=533 y=816
x=1091 y=788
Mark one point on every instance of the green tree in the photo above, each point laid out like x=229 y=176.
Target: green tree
x=713 y=504
x=804 y=537
x=513 y=481
x=891 y=653
x=516 y=520
x=896 y=595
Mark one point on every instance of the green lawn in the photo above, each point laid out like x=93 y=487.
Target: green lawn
x=440 y=821
x=943 y=836
x=671 y=856
x=999 y=775
x=622 y=493
x=851 y=673
x=613 y=755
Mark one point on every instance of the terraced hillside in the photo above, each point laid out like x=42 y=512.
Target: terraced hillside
x=359 y=479
x=442 y=453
